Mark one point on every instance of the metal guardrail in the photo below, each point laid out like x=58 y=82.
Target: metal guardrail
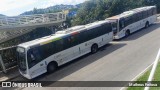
x=5 y=36
x=11 y=27
x=31 y=19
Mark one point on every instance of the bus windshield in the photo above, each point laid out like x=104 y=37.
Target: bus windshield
x=21 y=58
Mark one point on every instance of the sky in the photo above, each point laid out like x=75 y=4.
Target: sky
x=16 y=7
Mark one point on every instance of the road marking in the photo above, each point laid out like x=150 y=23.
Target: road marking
x=140 y=74
x=153 y=70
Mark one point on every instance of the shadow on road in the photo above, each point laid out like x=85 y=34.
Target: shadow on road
x=79 y=63
x=140 y=33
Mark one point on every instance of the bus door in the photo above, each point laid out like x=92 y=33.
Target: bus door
x=35 y=63
x=114 y=26
x=121 y=26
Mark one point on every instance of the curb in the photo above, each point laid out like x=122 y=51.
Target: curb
x=9 y=76
x=3 y=80
x=9 y=79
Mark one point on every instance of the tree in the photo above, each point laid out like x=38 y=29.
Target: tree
x=153 y=2
x=35 y=11
x=91 y=11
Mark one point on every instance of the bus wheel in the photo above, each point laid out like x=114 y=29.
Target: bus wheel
x=51 y=67
x=127 y=33
x=94 y=48
x=147 y=24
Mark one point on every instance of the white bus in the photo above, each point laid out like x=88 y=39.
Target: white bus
x=46 y=54
x=133 y=20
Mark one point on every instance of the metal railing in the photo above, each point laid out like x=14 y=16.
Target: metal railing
x=8 y=35
x=7 y=58
x=31 y=19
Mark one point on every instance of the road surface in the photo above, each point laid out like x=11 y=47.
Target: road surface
x=121 y=60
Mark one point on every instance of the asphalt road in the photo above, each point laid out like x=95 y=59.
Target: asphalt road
x=121 y=60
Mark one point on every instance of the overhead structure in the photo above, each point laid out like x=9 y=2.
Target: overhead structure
x=25 y=21
x=11 y=27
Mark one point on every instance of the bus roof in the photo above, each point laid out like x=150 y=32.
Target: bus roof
x=131 y=12
x=60 y=34
x=38 y=41
x=95 y=24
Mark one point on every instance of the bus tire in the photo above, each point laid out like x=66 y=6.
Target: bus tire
x=94 y=48
x=127 y=33
x=52 y=66
x=147 y=24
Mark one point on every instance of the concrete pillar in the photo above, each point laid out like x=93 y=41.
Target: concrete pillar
x=53 y=29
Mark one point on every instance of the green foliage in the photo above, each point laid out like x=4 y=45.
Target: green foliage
x=52 y=9
x=93 y=10
x=153 y=2
x=2 y=15
x=145 y=77
x=119 y=6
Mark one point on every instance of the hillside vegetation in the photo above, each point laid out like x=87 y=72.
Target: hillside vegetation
x=2 y=15
x=94 y=10
x=52 y=9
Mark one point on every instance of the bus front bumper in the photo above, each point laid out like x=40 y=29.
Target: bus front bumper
x=25 y=75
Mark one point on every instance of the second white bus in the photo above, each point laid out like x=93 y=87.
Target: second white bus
x=133 y=20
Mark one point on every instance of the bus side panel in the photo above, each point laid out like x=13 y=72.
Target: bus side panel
x=153 y=19
x=37 y=70
x=79 y=50
x=70 y=54
x=106 y=39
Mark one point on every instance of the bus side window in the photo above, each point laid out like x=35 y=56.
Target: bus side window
x=47 y=49
x=66 y=42
x=121 y=24
x=59 y=45
x=75 y=40
x=33 y=56
x=150 y=12
x=82 y=36
x=104 y=29
x=145 y=14
x=154 y=11
x=114 y=26
x=109 y=27
x=93 y=32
